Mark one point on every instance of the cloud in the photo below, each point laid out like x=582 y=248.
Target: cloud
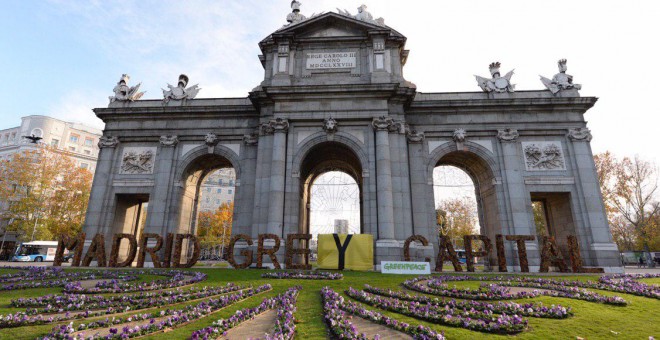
x=76 y=106
x=215 y=44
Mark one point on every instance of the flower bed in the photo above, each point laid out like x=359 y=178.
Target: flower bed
x=285 y=304
x=626 y=283
x=177 y=279
x=170 y=318
x=334 y=308
x=483 y=321
x=53 y=279
x=32 y=273
x=497 y=291
x=303 y=275
x=71 y=302
x=100 y=305
x=537 y=310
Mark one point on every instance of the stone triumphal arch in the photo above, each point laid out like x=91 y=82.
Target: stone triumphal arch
x=334 y=98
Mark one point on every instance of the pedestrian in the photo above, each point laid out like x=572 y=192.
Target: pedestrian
x=641 y=261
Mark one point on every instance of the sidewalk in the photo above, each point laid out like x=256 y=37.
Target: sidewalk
x=635 y=270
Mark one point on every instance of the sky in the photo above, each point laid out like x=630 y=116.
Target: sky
x=63 y=57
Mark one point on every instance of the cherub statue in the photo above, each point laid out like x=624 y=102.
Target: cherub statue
x=496 y=84
x=295 y=17
x=124 y=93
x=180 y=92
x=561 y=80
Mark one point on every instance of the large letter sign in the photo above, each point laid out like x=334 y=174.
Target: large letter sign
x=354 y=252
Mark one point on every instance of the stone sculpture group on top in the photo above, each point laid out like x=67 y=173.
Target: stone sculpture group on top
x=495 y=84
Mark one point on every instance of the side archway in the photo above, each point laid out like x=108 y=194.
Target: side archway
x=192 y=170
x=479 y=164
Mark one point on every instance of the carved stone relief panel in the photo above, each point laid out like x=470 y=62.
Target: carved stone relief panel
x=138 y=161
x=543 y=156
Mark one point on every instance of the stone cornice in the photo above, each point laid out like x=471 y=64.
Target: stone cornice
x=509 y=105
x=391 y=91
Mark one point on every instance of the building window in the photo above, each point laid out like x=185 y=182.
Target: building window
x=37 y=132
x=55 y=143
x=217 y=201
x=84 y=165
x=219 y=191
x=74 y=138
x=89 y=142
x=231 y=191
x=231 y=182
x=72 y=148
x=220 y=181
x=228 y=201
x=87 y=152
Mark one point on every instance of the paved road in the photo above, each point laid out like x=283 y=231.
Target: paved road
x=29 y=264
x=628 y=269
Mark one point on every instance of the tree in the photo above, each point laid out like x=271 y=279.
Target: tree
x=215 y=226
x=635 y=188
x=630 y=189
x=46 y=194
x=456 y=218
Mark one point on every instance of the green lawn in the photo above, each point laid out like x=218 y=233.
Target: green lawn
x=638 y=320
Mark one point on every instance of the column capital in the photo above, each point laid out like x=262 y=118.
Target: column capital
x=383 y=123
x=251 y=139
x=108 y=142
x=415 y=137
x=580 y=135
x=169 y=141
x=508 y=135
x=278 y=125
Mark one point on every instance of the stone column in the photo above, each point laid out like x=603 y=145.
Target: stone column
x=279 y=128
x=384 y=179
x=518 y=201
x=421 y=192
x=159 y=201
x=595 y=239
x=94 y=219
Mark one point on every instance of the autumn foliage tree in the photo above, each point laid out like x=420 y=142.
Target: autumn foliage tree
x=456 y=218
x=214 y=227
x=45 y=194
x=631 y=197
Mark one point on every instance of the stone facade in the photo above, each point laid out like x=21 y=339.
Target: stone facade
x=334 y=97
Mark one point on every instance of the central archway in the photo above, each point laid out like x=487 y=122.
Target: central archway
x=327 y=158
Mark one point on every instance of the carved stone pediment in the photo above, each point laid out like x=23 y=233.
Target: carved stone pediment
x=333 y=23
x=328 y=32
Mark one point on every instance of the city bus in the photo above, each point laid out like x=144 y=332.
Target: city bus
x=36 y=251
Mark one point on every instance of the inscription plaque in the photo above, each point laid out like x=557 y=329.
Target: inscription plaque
x=331 y=60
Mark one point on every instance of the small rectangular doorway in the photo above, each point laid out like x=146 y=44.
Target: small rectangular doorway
x=553 y=216
x=130 y=218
